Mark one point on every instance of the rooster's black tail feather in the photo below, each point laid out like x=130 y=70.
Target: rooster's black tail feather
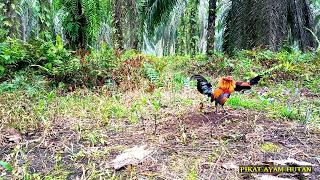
x=255 y=80
x=203 y=86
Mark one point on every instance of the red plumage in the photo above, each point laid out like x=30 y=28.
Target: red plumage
x=226 y=86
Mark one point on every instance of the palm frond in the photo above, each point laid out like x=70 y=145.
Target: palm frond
x=156 y=12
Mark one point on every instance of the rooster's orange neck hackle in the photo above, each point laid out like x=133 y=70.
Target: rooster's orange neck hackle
x=227 y=84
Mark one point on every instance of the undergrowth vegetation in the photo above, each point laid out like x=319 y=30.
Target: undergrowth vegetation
x=43 y=84
x=41 y=81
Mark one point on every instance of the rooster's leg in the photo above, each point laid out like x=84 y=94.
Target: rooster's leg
x=208 y=100
x=201 y=107
x=224 y=110
x=216 y=104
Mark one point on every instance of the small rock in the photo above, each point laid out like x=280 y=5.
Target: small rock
x=230 y=165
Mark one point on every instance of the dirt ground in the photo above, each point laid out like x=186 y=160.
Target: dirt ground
x=201 y=145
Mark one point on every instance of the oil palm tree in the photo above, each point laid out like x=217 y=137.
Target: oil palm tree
x=75 y=23
x=117 y=16
x=10 y=15
x=143 y=17
x=133 y=23
x=156 y=12
x=211 y=26
x=268 y=24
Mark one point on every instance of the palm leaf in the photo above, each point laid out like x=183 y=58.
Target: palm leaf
x=156 y=12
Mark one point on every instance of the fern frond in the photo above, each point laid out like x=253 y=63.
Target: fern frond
x=152 y=74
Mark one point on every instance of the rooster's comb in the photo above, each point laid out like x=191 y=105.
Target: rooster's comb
x=227 y=78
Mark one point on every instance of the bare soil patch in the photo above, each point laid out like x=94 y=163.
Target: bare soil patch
x=205 y=144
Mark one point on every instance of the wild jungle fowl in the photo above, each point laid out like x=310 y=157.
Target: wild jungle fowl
x=226 y=86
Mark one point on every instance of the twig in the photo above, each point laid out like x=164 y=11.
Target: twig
x=205 y=117
x=83 y=173
x=223 y=117
x=155 y=124
x=215 y=165
x=315 y=36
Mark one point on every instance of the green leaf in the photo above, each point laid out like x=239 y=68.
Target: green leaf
x=156 y=104
x=49 y=66
x=6 y=57
x=2 y=69
x=156 y=12
x=6 y=166
x=58 y=62
x=7 y=23
x=59 y=43
x=50 y=96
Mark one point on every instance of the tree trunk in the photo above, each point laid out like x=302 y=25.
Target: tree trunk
x=10 y=17
x=117 y=14
x=193 y=26
x=301 y=23
x=181 y=47
x=211 y=26
x=82 y=28
x=42 y=19
x=133 y=23
x=267 y=24
x=77 y=21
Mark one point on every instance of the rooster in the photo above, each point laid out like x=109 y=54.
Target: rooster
x=226 y=86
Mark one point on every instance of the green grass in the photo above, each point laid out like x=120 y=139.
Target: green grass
x=269 y=147
x=240 y=101
x=192 y=175
x=281 y=100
